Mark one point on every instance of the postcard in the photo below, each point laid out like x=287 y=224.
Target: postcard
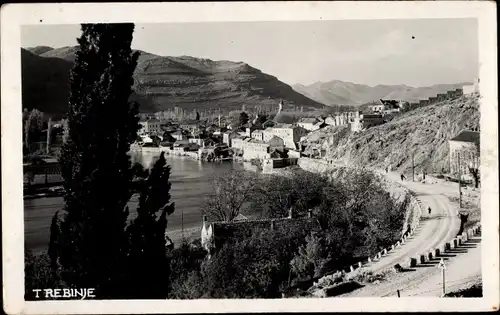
x=249 y=157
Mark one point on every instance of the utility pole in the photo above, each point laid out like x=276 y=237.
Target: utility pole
x=49 y=125
x=413 y=165
x=459 y=182
x=442 y=266
x=182 y=223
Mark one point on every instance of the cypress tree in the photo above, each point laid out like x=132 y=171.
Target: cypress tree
x=147 y=255
x=94 y=162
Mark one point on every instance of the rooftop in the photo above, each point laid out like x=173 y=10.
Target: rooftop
x=309 y=120
x=245 y=228
x=467 y=136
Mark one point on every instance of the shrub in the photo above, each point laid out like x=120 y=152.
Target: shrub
x=38 y=274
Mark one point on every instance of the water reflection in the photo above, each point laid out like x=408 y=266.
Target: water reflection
x=192 y=184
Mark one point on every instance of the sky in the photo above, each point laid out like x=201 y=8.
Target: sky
x=418 y=52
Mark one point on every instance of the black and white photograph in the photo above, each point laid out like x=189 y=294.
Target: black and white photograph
x=290 y=160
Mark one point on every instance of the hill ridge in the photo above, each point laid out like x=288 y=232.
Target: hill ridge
x=163 y=82
x=337 y=92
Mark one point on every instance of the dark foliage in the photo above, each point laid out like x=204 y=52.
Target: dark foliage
x=97 y=173
x=243 y=118
x=147 y=260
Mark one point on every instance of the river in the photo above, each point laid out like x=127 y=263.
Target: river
x=191 y=184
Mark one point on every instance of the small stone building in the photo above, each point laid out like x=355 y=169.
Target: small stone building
x=215 y=234
x=464 y=147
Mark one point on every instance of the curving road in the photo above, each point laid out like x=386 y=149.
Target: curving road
x=436 y=228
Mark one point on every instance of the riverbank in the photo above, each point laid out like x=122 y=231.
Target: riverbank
x=192 y=184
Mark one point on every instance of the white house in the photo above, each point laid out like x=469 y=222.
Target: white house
x=310 y=123
x=471 y=88
x=365 y=121
x=290 y=134
x=464 y=147
x=150 y=126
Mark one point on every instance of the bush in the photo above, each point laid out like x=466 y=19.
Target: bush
x=38 y=274
x=330 y=280
x=254 y=267
x=185 y=266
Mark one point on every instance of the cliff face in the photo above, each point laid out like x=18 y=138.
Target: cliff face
x=165 y=82
x=423 y=133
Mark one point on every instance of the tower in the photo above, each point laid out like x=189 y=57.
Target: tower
x=255 y=119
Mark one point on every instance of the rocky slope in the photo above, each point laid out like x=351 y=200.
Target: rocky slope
x=423 y=132
x=339 y=92
x=165 y=82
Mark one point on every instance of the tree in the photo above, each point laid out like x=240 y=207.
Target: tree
x=243 y=119
x=94 y=162
x=33 y=125
x=65 y=136
x=260 y=119
x=254 y=267
x=474 y=171
x=275 y=195
x=147 y=257
x=231 y=191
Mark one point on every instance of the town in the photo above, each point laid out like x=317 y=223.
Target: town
x=270 y=141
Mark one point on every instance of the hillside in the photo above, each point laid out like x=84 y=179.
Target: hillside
x=45 y=82
x=340 y=92
x=424 y=132
x=165 y=82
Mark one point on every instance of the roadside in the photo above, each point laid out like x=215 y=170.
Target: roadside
x=435 y=228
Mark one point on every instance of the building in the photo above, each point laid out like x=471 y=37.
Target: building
x=441 y=97
x=191 y=125
x=276 y=143
x=377 y=106
x=471 y=88
x=150 y=126
x=366 y=121
x=424 y=102
x=289 y=133
x=330 y=121
x=254 y=149
x=186 y=147
x=215 y=234
x=237 y=142
x=311 y=123
x=341 y=119
x=227 y=136
x=392 y=106
x=179 y=135
x=464 y=147
x=258 y=134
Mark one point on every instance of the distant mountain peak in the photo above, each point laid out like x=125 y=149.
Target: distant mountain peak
x=337 y=92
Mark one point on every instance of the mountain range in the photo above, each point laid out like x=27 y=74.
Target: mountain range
x=160 y=82
x=337 y=92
